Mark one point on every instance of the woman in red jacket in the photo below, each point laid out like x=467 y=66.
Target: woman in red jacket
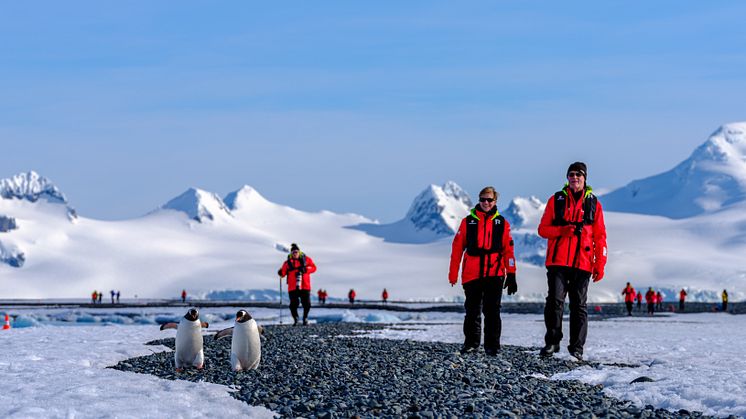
x=488 y=266
x=573 y=224
x=298 y=268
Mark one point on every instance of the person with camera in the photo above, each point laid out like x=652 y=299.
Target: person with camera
x=298 y=268
x=488 y=267
x=573 y=224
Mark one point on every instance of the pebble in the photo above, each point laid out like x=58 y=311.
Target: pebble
x=320 y=371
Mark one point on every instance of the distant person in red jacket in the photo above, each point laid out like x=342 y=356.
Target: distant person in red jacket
x=320 y=296
x=324 y=294
x=351 y=296
x=183 y=296
x=298 y=268
x=573 y=224
x=659 y=301
x=682 y=298
x=385 y=295
x=94 y=297
x=629 y=297
x=650 y=300
x=483 y=248
x=639 y=301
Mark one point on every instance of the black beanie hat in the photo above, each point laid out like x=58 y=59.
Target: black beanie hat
x=578 y=166
x=294 y=247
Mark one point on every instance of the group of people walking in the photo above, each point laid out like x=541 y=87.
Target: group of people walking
x=483 y=248
x=654 y=300
x=97 y=297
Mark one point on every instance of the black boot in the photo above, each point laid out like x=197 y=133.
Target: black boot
x=549 y=350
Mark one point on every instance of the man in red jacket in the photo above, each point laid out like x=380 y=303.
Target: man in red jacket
x=629 y=297
x=682 y=299
x=488 y=266
x=298 y=267
x=573 y=224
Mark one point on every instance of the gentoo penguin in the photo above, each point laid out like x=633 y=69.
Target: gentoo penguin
x=246 y=348
x=189 y=350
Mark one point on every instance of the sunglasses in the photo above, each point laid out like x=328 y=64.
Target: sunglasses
x=486 y=199
x=574 y=174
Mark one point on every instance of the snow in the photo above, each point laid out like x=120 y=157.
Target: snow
x=695 y=360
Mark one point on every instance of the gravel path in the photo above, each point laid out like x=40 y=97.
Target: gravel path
x=323 y=371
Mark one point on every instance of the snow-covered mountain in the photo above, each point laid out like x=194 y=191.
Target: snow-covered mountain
x=434 y=214
x=31 y=187
x=524 y=212
x=199 y=205
x=712 y=178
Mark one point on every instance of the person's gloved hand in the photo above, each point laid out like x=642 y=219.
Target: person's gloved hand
x=510 y=284
x=597 y=273
x=453 y=280
x=279 y=272
x=567 y=231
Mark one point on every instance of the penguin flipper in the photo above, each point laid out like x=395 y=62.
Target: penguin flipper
x=204 y=324
x=223 y=333
x=260 y=329
x=171 y=325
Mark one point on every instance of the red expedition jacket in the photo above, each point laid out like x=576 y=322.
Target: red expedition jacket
x=629 y=294
x=650 y=297
x=562 y=248
x=486 y=256
x=290 y=268
x=682 y=295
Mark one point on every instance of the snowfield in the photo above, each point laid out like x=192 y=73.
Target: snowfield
x=695 y=360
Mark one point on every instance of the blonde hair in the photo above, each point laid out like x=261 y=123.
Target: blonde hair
x=491 y=190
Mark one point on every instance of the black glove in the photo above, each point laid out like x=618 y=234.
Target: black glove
x=510 y=284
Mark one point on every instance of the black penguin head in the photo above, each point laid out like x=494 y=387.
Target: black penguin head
x=243 y=316
x=192 y=315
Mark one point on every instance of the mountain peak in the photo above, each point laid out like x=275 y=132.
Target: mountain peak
x=244 y=198
x=713 y=177
x=435 y=213
x=199 y=205
x=439 y=209
x=32 y=187
x=524 y=212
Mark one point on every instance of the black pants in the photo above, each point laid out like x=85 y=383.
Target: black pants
x=300 y=297
x=651 y=308
x=629 y=308
x=564 y=281
x=483 y=296
x=681 y=305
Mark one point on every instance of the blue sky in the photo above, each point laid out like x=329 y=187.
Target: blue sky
x=357 y=107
